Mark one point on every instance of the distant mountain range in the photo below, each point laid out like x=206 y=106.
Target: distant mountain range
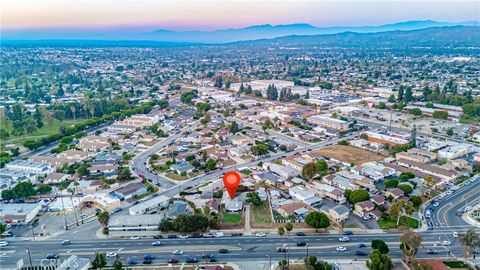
x=255 y=32
x=446 y=36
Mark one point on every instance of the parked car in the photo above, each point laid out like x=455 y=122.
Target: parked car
x=183 y=236
x=455 y=234
x=446 y=243
x=361 y=245
x=237 y=234
x=431 y=251
x=218 y=234
x=173 y=260
x=348 y=233
x=134 y=237
x=111 y=254
x=260 y=234
x=300 y=234
x=207 y=235
x=157 y=237
x=147 y=261
x=3 y=243
x=206 y=256
x=172 y=236
x=213 y=259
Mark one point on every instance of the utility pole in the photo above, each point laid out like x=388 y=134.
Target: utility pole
x=33 y=233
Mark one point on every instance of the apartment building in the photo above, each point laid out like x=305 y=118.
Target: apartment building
x=30 y=167
x=327 y=122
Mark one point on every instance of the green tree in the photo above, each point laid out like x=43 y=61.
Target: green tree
x=309 y=170
x=358 y=195
x=3 y=228
x=100 y=261
x=254 y=199
x=470 y=240
x=391 y=183
x=380 y=245
x=260 y=149
x=312 y=263
x=44 y=189
x=410 y=242
x=322 y=165
x=210 y=164
x=379 y=261
x=117 y=264
x=103 y=218
x=38 y=116
x=382 y=106
x=416 y=201
x=165 y=225
x=317 y=220
x=281 y=231
x=440 y=115
x=407 y=189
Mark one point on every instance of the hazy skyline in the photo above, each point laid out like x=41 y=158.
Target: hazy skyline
x=145 y=15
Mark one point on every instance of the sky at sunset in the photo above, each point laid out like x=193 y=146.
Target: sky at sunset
x=148 y=15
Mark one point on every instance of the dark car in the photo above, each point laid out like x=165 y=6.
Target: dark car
x=213 y=259
x=301 y=244
x=171 y=236
x=431 y=251
x=237 y=234
x=52 y=256
x=223 y=250
x=361 y=245
x=192 y=260
x=348 y=233
x=173 y=260
x=282 y=249
x=196 y=235
x=132 y=261
x=300 y=234
x=206 y=256
x=148 y=257
x=360 y=253
x=157 y=237
x=147 y=261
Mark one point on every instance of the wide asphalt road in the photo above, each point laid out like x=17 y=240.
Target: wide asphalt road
x=241 y=248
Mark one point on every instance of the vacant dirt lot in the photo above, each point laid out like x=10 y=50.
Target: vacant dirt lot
x=349 y=154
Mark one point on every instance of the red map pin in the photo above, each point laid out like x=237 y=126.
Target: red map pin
x=231 y=180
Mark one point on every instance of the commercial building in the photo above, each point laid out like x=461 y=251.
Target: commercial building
x=149 y=205
x=390 y=139
x=137 y=225
x=455 y=151
x=19 y=212
x=327 y=122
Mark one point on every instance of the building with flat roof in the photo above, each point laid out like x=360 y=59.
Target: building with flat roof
x=328 y=122
x=149 y=205
x=19 y=212
x=455 y=151
x=137 y=225
x=30 y=167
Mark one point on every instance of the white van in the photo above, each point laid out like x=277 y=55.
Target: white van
x=218 y=234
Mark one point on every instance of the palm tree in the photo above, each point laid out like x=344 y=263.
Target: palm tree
x=103 y=218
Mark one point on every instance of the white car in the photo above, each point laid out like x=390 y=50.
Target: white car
x=367 y=217
x=183 y=236
x=344 y=239
x=341 y=249
x=436 y=204
x=207 y=235
x=111 y=254
x=260 y=234
x=3 y=243
x=177 y=252
x=135 y=237
x=446 y=243
x=455 y=234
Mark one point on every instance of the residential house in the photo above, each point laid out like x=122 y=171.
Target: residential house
x=363 y=208
x=395 y=193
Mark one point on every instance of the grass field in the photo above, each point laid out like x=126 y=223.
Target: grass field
x=392 y=223
x=177 y=177
x=261 y=214
x=457 y=264
x=349 y=154
x=231 y=217
x=41 y=132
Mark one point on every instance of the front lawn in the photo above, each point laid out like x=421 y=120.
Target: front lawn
x=231 y=217
x=457 y=264
x=386 y=223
